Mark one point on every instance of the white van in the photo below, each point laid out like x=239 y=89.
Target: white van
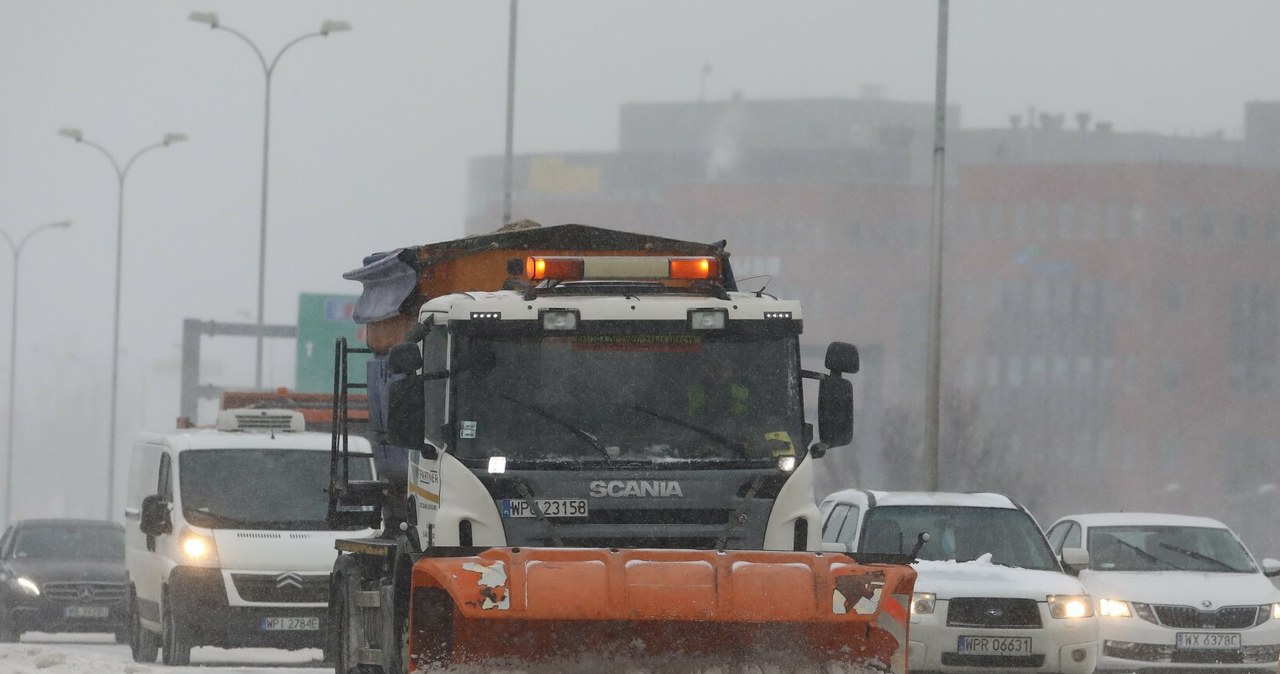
x=227 y=542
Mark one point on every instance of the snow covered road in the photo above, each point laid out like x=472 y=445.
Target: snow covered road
x=99 y=654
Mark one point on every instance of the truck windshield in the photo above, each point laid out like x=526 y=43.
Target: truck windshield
x=258 y=488
x=673 y=399
x=959 y=533
x=1167 y=548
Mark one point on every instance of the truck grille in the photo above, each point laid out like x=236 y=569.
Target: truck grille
x=993 y=612
x=697 y=543
x=85 y=592
x=676 y=516
x=1188 y=617
x=285 y=588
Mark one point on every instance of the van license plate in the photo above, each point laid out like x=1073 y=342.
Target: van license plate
x=551 y=507
x=290 y=624
x=993 y=645
x=1211 y=640
x=86 y=611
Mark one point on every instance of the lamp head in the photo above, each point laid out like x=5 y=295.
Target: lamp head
x=171 y=138
x=333 y=27
x=204 y=17
x=71 y=133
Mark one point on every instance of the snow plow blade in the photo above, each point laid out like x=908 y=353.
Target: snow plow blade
x=531 y=604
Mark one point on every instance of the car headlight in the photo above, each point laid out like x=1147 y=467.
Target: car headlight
x=1114 y=608
x=1275 y=611
x=198 y=547
x=27 y=585
x=1070 y=605
x=922 y=603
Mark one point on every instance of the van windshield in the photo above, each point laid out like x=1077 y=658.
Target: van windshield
x=259 y=488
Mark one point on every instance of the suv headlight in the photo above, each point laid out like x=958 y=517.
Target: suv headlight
x=922 y=603
x=27 y=585
x=1114 y=608
x=1070 y=605
x=1275 y=611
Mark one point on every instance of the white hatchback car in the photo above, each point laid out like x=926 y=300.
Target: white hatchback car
x=1174 y=592
x=990 y=596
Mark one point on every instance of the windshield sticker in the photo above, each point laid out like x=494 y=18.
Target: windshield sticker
x=665 y=343
x=467 y=429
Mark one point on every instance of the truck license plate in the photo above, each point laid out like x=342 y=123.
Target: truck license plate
x=1195 y=640
x=551 y=507
x=86 y=611
x=276 y=624
x=968 y=645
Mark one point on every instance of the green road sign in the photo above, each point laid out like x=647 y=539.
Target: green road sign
x=322 y=319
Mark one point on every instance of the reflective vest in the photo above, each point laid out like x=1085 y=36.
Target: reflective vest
x=737 y=399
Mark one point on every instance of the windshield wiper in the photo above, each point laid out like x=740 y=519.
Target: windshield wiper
x=736 y=445
x=1147 y=555
x=1199 y=556
x=559 y=421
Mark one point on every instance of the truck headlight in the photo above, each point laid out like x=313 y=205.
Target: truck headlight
x=197 y=547
x=1070 y=605
x=922 y=603
x=27 y=585
x=1114 y=608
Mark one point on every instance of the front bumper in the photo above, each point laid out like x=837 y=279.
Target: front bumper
x=201 y=603
x=1135 y=645
x=39 y=614
x=1068 y=646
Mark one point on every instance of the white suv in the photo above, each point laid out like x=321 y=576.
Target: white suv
x=990 y=595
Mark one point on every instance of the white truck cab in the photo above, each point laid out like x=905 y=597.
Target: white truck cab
x=227 y=542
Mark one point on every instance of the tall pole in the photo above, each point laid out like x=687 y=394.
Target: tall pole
x=13 y=359
x=122 y=172
x=933 y=387
x=268 y=69
x=507 y=166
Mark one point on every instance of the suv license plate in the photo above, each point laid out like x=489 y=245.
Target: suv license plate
x=86 y=611
x=1211 y=640
x=551 y=507
x=290 y=624
x=967 y=645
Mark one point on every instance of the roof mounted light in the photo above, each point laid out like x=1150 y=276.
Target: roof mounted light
x=555 y=268
x=708 y=319
x=694 y=268
x=777 y=315
x=486 y=315
x=617 y=267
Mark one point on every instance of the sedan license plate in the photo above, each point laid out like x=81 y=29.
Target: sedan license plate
x=86 y=611
x=1210 y=640
x=551 y=507
x=968 y=645
x=290 y=624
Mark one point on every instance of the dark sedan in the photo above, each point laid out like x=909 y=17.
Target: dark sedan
x=62 y=575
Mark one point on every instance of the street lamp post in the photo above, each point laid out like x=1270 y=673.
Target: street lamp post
x=13 y=355
x=122 y=172
x=326 y=27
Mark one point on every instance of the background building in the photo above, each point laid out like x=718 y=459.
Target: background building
x=1111 y=298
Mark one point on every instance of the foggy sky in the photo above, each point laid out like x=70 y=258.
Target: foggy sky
x=372 y=129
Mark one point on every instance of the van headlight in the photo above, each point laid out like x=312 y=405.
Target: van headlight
x=1114 y=608
x=197 y=547
x=1070 y=605
x=922 y=603
x=27 y=585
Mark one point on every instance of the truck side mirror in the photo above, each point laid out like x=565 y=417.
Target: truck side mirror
x=1074 y=560
x=842 y=357
x=407 y=410
x=404 y=359
x=155 y=516
x=835 y=411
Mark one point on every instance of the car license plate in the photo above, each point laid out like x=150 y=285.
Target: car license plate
x=1195 y=640
x=289 y=624
x=967 y=645
x=551 y=507
x=86 y=611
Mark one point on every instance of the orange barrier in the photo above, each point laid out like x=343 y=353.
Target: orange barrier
x=540 y=603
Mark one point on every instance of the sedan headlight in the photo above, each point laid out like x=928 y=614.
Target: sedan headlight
x=27 y=585
x=198 y=547
x=1114 y=608
x=1275 y=611
x=1070 y=605
x=922 y=603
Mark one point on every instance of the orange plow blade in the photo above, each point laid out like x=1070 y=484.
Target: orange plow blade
x=533 y=604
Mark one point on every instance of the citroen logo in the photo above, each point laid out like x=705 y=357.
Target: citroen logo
x=85 y=593
x=288 y=579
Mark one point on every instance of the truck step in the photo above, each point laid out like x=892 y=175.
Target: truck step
x=368 y=599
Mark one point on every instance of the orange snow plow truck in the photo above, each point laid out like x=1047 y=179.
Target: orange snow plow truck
x=591 y=444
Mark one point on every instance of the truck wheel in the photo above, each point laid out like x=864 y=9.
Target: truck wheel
x=176 y=640
x=143 y=645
